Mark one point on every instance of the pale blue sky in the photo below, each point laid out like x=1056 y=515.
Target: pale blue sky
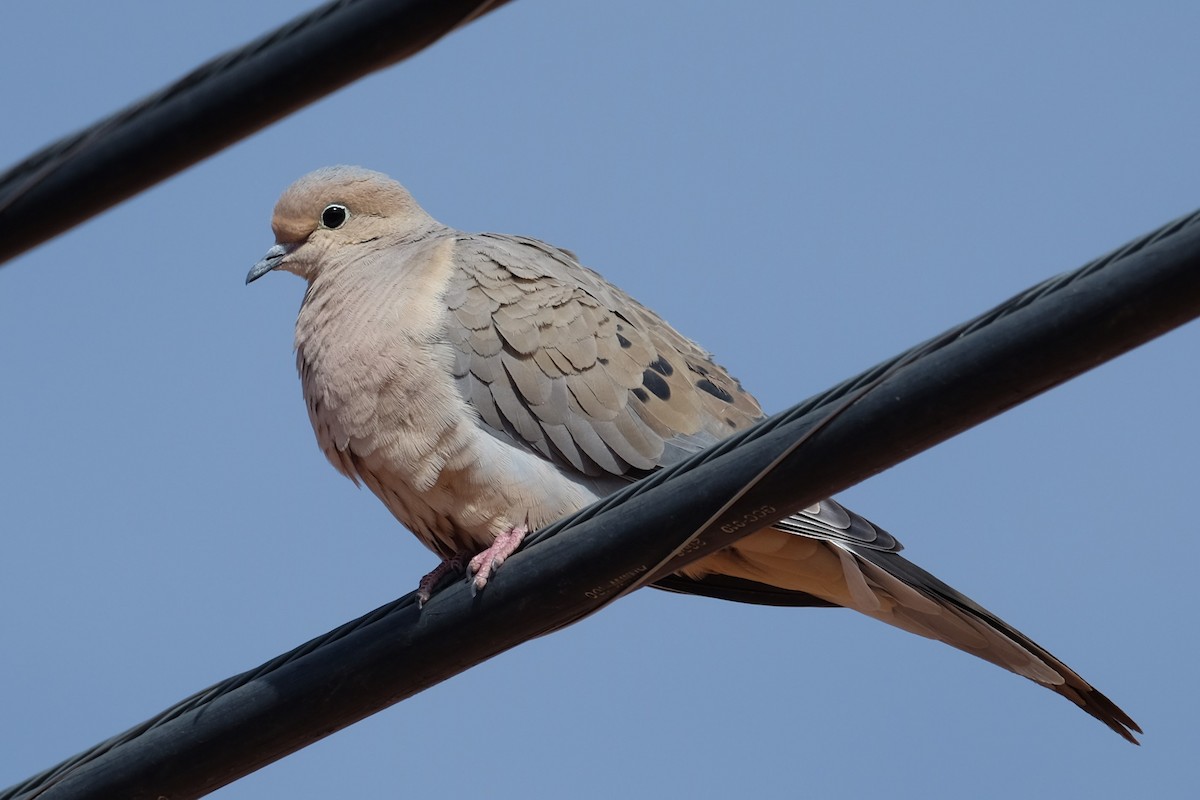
x=806 y=188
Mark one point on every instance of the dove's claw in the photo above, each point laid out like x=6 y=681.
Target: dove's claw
x=484 y=564
x=451 y=566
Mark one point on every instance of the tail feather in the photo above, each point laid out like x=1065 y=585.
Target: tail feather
x=864 y=571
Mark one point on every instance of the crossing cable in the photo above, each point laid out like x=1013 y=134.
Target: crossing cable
x=214 y=106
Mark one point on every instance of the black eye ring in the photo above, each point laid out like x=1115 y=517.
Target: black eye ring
x=334 y=216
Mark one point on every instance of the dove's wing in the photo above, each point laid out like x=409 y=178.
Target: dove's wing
x=558 y=358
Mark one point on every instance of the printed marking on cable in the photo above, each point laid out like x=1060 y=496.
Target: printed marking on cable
x=617 y=583
x=747 y=519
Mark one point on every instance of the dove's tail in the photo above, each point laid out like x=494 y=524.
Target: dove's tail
x=822 y=557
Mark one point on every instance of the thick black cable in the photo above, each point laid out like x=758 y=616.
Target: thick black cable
x=214 y=106
x=1040 y=338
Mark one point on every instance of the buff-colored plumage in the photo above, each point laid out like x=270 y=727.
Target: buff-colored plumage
x=482 y=385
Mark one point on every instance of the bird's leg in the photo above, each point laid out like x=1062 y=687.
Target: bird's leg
x=451 y=566
x=484 y=564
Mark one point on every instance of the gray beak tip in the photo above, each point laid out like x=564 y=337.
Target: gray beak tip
x=270 y=261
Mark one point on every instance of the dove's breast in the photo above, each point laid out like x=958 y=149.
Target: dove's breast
x=377 y=378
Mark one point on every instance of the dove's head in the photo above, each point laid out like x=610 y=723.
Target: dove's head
x=326 y=216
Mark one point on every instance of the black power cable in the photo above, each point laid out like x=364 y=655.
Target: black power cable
x=214 y=106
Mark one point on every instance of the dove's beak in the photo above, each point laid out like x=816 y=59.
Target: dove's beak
x=270 y=261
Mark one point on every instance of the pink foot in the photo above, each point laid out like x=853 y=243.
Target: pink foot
x=451 y=566
x=483 y=565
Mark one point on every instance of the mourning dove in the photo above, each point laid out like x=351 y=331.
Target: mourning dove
x=484 y=385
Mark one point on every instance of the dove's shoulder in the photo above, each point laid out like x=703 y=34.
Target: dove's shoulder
x=550 y=353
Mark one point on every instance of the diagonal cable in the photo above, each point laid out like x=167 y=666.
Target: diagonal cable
x=213 y=106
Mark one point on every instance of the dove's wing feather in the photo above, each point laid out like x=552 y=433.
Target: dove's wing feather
x=560 y=359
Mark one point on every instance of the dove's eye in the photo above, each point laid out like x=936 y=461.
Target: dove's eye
x=334 y=216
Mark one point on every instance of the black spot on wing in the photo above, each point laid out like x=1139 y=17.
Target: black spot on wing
x=655 y=383
x=621 y=340
x=641 y=394
x=662 y=366
x=716 y=391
